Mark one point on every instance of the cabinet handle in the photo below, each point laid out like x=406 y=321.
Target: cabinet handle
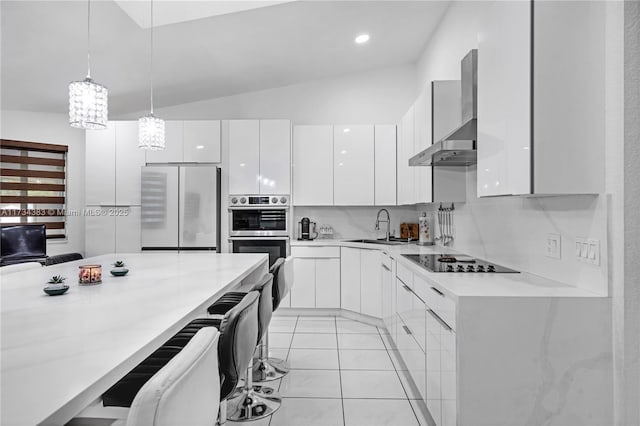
x=406 y=329
x=440 y=320
x=437 y=291
x=407 y=288
x=386 y=267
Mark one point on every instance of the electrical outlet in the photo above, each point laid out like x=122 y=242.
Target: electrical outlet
x=553 y=248
x=588 y=250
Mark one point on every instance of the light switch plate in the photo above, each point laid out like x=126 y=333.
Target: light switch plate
x=588 y=250
x=553 y=247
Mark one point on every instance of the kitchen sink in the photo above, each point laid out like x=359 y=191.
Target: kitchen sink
x=391 y=242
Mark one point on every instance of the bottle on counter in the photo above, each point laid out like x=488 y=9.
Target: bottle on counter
x=425 y=235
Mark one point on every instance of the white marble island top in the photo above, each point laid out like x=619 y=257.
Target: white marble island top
x=464 y=284
x=60 y=353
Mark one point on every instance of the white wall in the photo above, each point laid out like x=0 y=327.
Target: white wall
x=379 y=96
x=512 y=230
x=55 y=129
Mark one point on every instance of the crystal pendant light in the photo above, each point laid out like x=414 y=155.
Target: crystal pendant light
x=88 y=103
x=150 y=127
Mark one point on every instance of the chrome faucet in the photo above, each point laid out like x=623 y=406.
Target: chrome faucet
x=388 y=222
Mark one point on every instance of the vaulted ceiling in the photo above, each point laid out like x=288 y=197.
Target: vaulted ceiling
x=202 y=49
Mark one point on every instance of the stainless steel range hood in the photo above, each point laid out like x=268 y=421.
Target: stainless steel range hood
x=458 y=148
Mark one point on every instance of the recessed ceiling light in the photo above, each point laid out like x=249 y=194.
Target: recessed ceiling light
x=347 y=130
x=200 y=147
x=362 y=38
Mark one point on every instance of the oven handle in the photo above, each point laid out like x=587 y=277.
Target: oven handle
x=258 y=207
x=257 y=238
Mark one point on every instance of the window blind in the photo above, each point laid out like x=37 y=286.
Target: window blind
x=33 y=185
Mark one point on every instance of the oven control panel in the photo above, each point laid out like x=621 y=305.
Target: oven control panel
x=258 y=200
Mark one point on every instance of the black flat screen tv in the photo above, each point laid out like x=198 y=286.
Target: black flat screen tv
x=22 y=243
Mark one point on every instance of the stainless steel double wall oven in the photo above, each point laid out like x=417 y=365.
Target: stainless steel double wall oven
x=259 y=224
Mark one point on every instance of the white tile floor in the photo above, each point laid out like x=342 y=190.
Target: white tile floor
x=342 y=373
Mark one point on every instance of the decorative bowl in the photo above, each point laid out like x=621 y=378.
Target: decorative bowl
x=56 y=289
x=119 y=272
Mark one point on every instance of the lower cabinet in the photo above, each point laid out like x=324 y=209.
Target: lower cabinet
x=316 y=272
x=388 y=294
x=112 y=230
x=361 y=281
x=424 y=340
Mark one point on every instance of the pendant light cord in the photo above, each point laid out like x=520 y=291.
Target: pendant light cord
x=151 y=59
x=89 y=39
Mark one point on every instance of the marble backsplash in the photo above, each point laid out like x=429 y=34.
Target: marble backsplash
x=354 y=222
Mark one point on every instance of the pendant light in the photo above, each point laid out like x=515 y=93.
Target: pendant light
x=88 y=103
x=150 y=127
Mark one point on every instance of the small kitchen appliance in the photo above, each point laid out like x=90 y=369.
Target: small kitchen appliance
x=307 y=229
x=456 y=263
x=425 y=234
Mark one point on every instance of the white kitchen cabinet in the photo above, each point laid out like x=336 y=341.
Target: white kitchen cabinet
x=244 y=157
x=127 y=230
x=422 y=140
x=350 y=271
x=448 y=374
x=406 y=174
x=173 y=144
x=317 y=277
x=371 y=283
x=201 y=141
x=388 y=292
x=353 y=168
x=275 y=157
x=100 y=171
x=521 y=151
x=385 y=165
x=327 y=279
x=100 y=235
x=191 y=141
x=128 y=162
x=313 y=165
x=112 y=230
x=303 y=291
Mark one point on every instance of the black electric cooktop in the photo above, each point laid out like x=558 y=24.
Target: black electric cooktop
x=456 y=263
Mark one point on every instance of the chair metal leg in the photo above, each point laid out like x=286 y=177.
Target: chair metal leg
x=253 y=402
x=222 y=414
x=266 y=369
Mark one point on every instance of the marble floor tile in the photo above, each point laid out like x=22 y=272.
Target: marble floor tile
x=280 y=353
x=371 y=384
x=378 y=412
x=360 y=341
x=280 y=340
x=311 y=384
x=316 y=326
x=314 y=341
x=365 y=359
x=313 y=359
x=304 y=318
x=308 y=412
x=348 y=326
x=276 y=326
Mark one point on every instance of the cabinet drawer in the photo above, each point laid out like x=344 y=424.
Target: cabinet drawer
x=315 y=252
x=443 y=306
x=405 y=274
x=386 y=261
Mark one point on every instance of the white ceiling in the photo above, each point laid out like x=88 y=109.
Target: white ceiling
x=44 y=48
x=172 y=12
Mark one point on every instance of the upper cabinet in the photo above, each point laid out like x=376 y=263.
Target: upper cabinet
x=192 y=141
x=244 y=157
x=541 y=103
x=353 y=165
x=259 y=156
x=421 y=140
x=406 y=174
x=113 y=162
x=275 y=157
x=313 y=165
x=385 y=165
x=344 y=165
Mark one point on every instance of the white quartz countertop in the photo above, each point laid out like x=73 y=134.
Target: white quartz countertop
x=464 y=284
x=59 y=353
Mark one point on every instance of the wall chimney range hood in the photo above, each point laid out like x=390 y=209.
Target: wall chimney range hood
x=458 y=148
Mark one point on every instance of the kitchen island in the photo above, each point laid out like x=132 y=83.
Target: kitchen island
x=61 y=353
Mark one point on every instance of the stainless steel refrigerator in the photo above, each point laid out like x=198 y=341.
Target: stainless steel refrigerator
x=180 y=207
